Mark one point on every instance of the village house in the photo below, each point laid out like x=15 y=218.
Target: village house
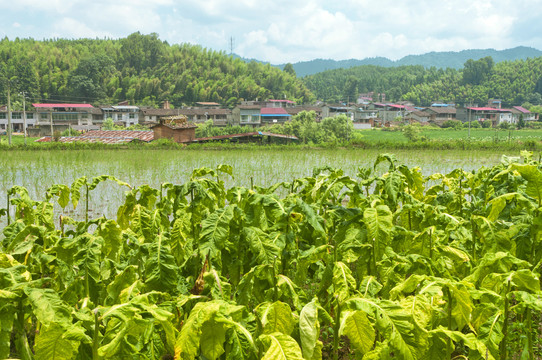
x=175 y=128
x=125 y=115
x=440 y=114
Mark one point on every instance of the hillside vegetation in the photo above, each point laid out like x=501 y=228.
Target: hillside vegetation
x=514 y=82
x=139 y=68
x=439 y=59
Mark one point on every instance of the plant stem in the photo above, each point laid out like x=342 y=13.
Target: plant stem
x=473 y=231
x=21 y=342
x=336 y=327
x=9 y=218
x=86 y=205
x=504 y=346
x=275 y=289
x=374 y=258
x=96 y=337
x=431 y=244
x=529 y=326
x=449 y=341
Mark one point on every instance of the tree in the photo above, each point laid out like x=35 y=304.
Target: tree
x=521 y=122
x=338 y=127
x=108 y=124
x=477 y=71
x=289 y=68
x=411 y=132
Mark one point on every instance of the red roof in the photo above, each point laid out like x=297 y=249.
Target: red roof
x=62 y=105
x=273 y=111
x=522 y=109
x=487 y=109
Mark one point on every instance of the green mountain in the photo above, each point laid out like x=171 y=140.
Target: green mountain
x=449 y=59
x=514 y=82
x=139 y=68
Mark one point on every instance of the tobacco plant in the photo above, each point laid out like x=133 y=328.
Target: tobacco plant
x=388 y=264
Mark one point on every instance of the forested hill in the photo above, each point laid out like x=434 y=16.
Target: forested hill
x=139 y=68
x=448 y=59
x=515 y=82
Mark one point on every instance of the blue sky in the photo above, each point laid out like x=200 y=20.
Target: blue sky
x=281 y=31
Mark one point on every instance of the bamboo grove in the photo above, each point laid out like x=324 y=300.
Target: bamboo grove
x=387 y=264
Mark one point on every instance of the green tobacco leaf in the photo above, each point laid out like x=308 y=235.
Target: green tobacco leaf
x=76 y=190
x=52 y=343
x=395 y=325
x=276 y=318
x=123 y=280
x=212 y=339
x=279 y=346
x=261 y=245
x=478 y=349
x=359 y=330
x=215 y=230
x=98 y=179
x=386 y=157
x=161 y=270
x=205 y=329
x=534 y=180
x=379 y=222
x=7 y=316
x=226 y=169
x=343 y=282
x=112 y=235
x=309 y=329
x=48 y=307
x=63 y=193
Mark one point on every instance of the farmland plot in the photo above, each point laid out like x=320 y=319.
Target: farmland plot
x=381 y=264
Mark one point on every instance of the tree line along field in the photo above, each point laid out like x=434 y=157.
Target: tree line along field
x=386 y=263
x=476 y=134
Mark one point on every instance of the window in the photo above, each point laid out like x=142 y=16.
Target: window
x=3 y=115
x=30 y=116
x=132 y=116
x=16 y=115
x=245 y=118
x=65 y=117
x=255 y=118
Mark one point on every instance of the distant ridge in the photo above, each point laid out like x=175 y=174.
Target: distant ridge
x=447 y=59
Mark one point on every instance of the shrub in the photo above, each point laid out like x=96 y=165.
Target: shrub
x=455 y=124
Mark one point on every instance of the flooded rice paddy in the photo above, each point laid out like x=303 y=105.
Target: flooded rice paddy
x=38 y=170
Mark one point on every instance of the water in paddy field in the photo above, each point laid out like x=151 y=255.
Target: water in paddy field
x=38 y=170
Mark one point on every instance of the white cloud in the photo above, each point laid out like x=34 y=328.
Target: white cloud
x=290 y=30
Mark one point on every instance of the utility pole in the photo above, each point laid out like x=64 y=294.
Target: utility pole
x=468 y=119
x=51 y=122
x=9 y=114
x=231 y=45
x=24 y=116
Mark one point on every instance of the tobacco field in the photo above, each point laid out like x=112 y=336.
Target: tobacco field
x=385 y=265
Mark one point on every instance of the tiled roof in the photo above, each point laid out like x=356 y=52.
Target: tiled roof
x=107 y=136
x=201 y=111
x=443 y=110
x=273 y=111
x=522 y=109
x=297 y=109
x=487 y=109
x=143 y=135
x=208 y=103
x=249 y=107
x=62 y=105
